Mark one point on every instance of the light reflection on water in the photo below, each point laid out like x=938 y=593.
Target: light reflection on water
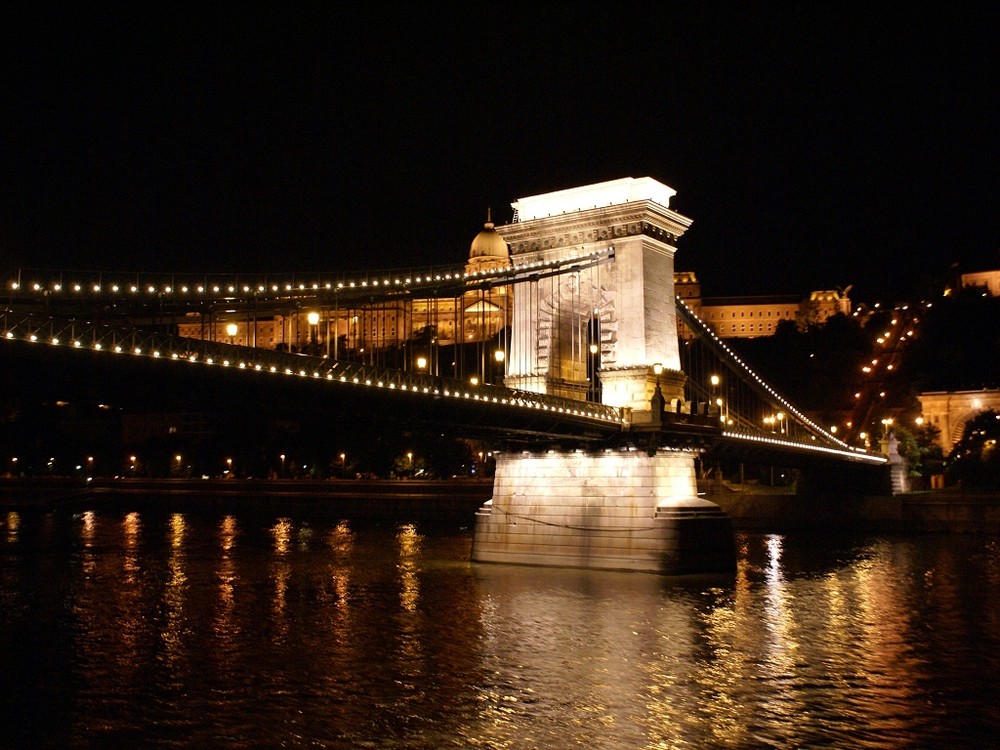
x=235 y=631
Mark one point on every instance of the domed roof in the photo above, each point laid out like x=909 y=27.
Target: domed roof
x=489 y=244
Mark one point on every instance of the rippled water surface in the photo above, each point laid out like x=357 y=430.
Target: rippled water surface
x=146 y=630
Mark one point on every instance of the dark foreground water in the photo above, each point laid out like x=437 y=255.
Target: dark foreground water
x=142 y=630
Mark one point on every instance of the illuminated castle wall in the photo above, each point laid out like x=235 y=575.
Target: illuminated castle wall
x=753 y=316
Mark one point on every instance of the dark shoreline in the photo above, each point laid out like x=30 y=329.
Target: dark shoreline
x=456 y=501
x=425 y=500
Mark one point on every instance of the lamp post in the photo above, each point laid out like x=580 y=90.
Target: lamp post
x=716 y=399
x=313 y=318
x=656 y=403
x=231 y=330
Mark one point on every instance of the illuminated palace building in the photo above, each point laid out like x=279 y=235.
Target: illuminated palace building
x=749 y=317
x=422 y=333
x=401 y=331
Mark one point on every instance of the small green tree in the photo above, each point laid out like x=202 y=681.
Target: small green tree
x=921 y=449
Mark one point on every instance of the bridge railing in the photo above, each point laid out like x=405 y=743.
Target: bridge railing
x=122 y=340
x=164 y=287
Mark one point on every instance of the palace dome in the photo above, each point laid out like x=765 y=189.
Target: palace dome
x=489 y=244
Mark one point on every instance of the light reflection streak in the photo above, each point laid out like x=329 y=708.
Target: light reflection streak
x=411 y=648
x=13 y=525
x=283 y=532
x=88 y=529
x=226 y=628
x=131 y=527
x=779 y=663
x=130 y=594
x=341 y=541
x=175 y=592
x=887 y=667
x=408 y=541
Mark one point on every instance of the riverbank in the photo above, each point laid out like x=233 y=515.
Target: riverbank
x=430 y=500
x=949 y=510
x=750 y=508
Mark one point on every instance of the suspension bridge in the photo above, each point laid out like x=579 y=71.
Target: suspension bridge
x=561 y=340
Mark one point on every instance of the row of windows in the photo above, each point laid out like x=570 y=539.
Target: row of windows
x=720 y=314
x=734 y=328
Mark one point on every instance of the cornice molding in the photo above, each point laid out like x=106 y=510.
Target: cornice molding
x=642 y=218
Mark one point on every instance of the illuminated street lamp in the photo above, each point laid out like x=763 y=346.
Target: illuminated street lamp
x=313 y=318
x=715 y=380
x=421 y=363
x=231 y=330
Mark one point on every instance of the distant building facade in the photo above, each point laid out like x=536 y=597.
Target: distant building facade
x=479 y=316
x=988 y=281
x=357 y=330
x=753 y=316
x=949 y=411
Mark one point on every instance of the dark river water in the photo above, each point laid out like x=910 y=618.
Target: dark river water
x=159 y=630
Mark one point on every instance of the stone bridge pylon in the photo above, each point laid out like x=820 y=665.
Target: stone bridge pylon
x=606 y=331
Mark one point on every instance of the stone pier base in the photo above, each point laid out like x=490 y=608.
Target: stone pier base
x=622 y=510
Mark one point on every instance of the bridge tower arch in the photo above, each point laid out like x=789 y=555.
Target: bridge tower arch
x=617 y=508
x=629 y=224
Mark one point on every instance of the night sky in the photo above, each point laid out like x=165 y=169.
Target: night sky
x=814 y=145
